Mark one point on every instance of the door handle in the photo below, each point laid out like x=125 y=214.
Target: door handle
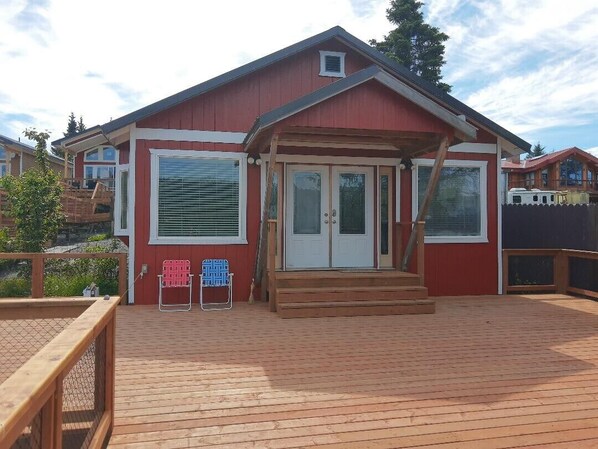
x=326 y=221
x=333 y=221
x=325 y=214
x=334 y=212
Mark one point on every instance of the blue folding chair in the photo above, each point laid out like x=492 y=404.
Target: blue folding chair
x=215 y=273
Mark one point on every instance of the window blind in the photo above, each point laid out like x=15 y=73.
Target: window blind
x=455 y=209
x=198 y=197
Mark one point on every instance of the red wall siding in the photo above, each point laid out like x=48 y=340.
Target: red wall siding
x=461 y=268
x=369 y=106
x=241 y=257
x=236 y=106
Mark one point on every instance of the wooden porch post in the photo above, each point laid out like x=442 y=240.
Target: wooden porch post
x=261 y=254
x=66 y=164
x=423 y=207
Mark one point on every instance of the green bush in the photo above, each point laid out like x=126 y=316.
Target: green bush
x=74 y=286
x=98 y=237
x=15 y=288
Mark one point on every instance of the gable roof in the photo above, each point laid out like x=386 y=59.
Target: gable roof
x=370 y=73
x=343 y=36
x=539 y=162
x=7 y=141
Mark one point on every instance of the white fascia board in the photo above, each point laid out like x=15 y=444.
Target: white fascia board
x=186 y=135
x=470 y=147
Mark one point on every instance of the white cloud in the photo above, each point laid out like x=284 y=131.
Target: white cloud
x=530 y=66
x=110 y=58
x=593 y=151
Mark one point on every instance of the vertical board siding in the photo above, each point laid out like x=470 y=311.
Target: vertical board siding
x=240 y=257
x=460 y=268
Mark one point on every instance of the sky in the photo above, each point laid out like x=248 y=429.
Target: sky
x=529 y=65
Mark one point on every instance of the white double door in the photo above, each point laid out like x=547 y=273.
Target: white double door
x=329 y=217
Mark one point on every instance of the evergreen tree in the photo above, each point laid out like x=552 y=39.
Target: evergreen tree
x=80 y=125
x=537 y=150
x=413 y=43
x=72 y=126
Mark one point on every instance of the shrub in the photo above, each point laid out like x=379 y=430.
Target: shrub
x=15 y=288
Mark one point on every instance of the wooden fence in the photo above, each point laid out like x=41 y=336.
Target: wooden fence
x=562 y=274
x=38 y=261
x=556 y=226
x=63 y=396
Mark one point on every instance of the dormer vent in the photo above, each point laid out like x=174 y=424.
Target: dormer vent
x=332 y=63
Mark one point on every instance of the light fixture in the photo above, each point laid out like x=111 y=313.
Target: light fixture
x=254 y=159
x=406 y=164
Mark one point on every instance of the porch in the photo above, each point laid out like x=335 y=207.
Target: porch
x=492 y=372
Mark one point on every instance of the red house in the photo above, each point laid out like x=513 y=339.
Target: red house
x=354 y=137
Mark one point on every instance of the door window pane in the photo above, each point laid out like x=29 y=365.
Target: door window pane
x=307 y=207
x=384 y=214
x=273 y=209
x=351 y=203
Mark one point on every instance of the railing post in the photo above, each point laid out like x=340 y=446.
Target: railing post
x=37 y=276
x=398 y=245
x=271 y=264
x=505 y=272
x=419 y=226
x=57 y=413
x=122 y=277
x=110 y=369
x=561 y=272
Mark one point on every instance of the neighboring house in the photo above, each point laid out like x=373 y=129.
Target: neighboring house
x=571 y=174
x=16 y=157
x=344 y=124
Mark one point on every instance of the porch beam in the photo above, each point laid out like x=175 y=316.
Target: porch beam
x=423 y=207
x=261 y=254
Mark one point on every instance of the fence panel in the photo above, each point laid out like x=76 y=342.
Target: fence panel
x=556 y=226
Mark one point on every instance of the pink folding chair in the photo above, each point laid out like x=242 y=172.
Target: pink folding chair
x=175 y=274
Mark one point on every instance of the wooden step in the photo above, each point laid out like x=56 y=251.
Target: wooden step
x=356 y=308
x=345 y=278
x=327 y=294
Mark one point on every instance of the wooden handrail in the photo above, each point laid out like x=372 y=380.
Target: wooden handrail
x=37 y=385
x=418 y=229
x=561 y=270
x=38 y=262
x=271 y=264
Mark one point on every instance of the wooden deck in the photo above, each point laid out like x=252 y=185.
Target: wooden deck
x=483 y=372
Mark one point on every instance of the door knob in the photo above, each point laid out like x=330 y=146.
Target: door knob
x=334 y=212
x=325 y=214
x=333 y=221
x=326 y=221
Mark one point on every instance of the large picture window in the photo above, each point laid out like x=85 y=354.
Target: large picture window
x=198 y=197
x=458 y=210
x=571 y=172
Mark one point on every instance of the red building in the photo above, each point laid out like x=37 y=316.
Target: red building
x=354 y=137
x=571 y=171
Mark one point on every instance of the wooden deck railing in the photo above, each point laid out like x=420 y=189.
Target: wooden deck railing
x=561 y=275
x=63 y=396
x=418 y=228
x=38 y=261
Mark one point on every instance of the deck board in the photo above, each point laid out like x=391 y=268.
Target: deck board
x=484 y=372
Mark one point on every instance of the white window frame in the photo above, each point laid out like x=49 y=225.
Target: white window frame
x=101 y=149
x=117 y=202
x=323 y=71
x=155 y=155
x=483 y=166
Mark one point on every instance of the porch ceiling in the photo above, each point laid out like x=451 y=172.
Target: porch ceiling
x=404 y=143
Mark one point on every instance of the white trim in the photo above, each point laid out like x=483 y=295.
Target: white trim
x=186 y=135
x=378 y=218
x=397 y=194
x=499 y=217
x=334 y=160
x=118 y=231
x=469 y=147
x=131 y=220
x=154 y=239
x=483 y=166
x=324 y=72
x=100 y=149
